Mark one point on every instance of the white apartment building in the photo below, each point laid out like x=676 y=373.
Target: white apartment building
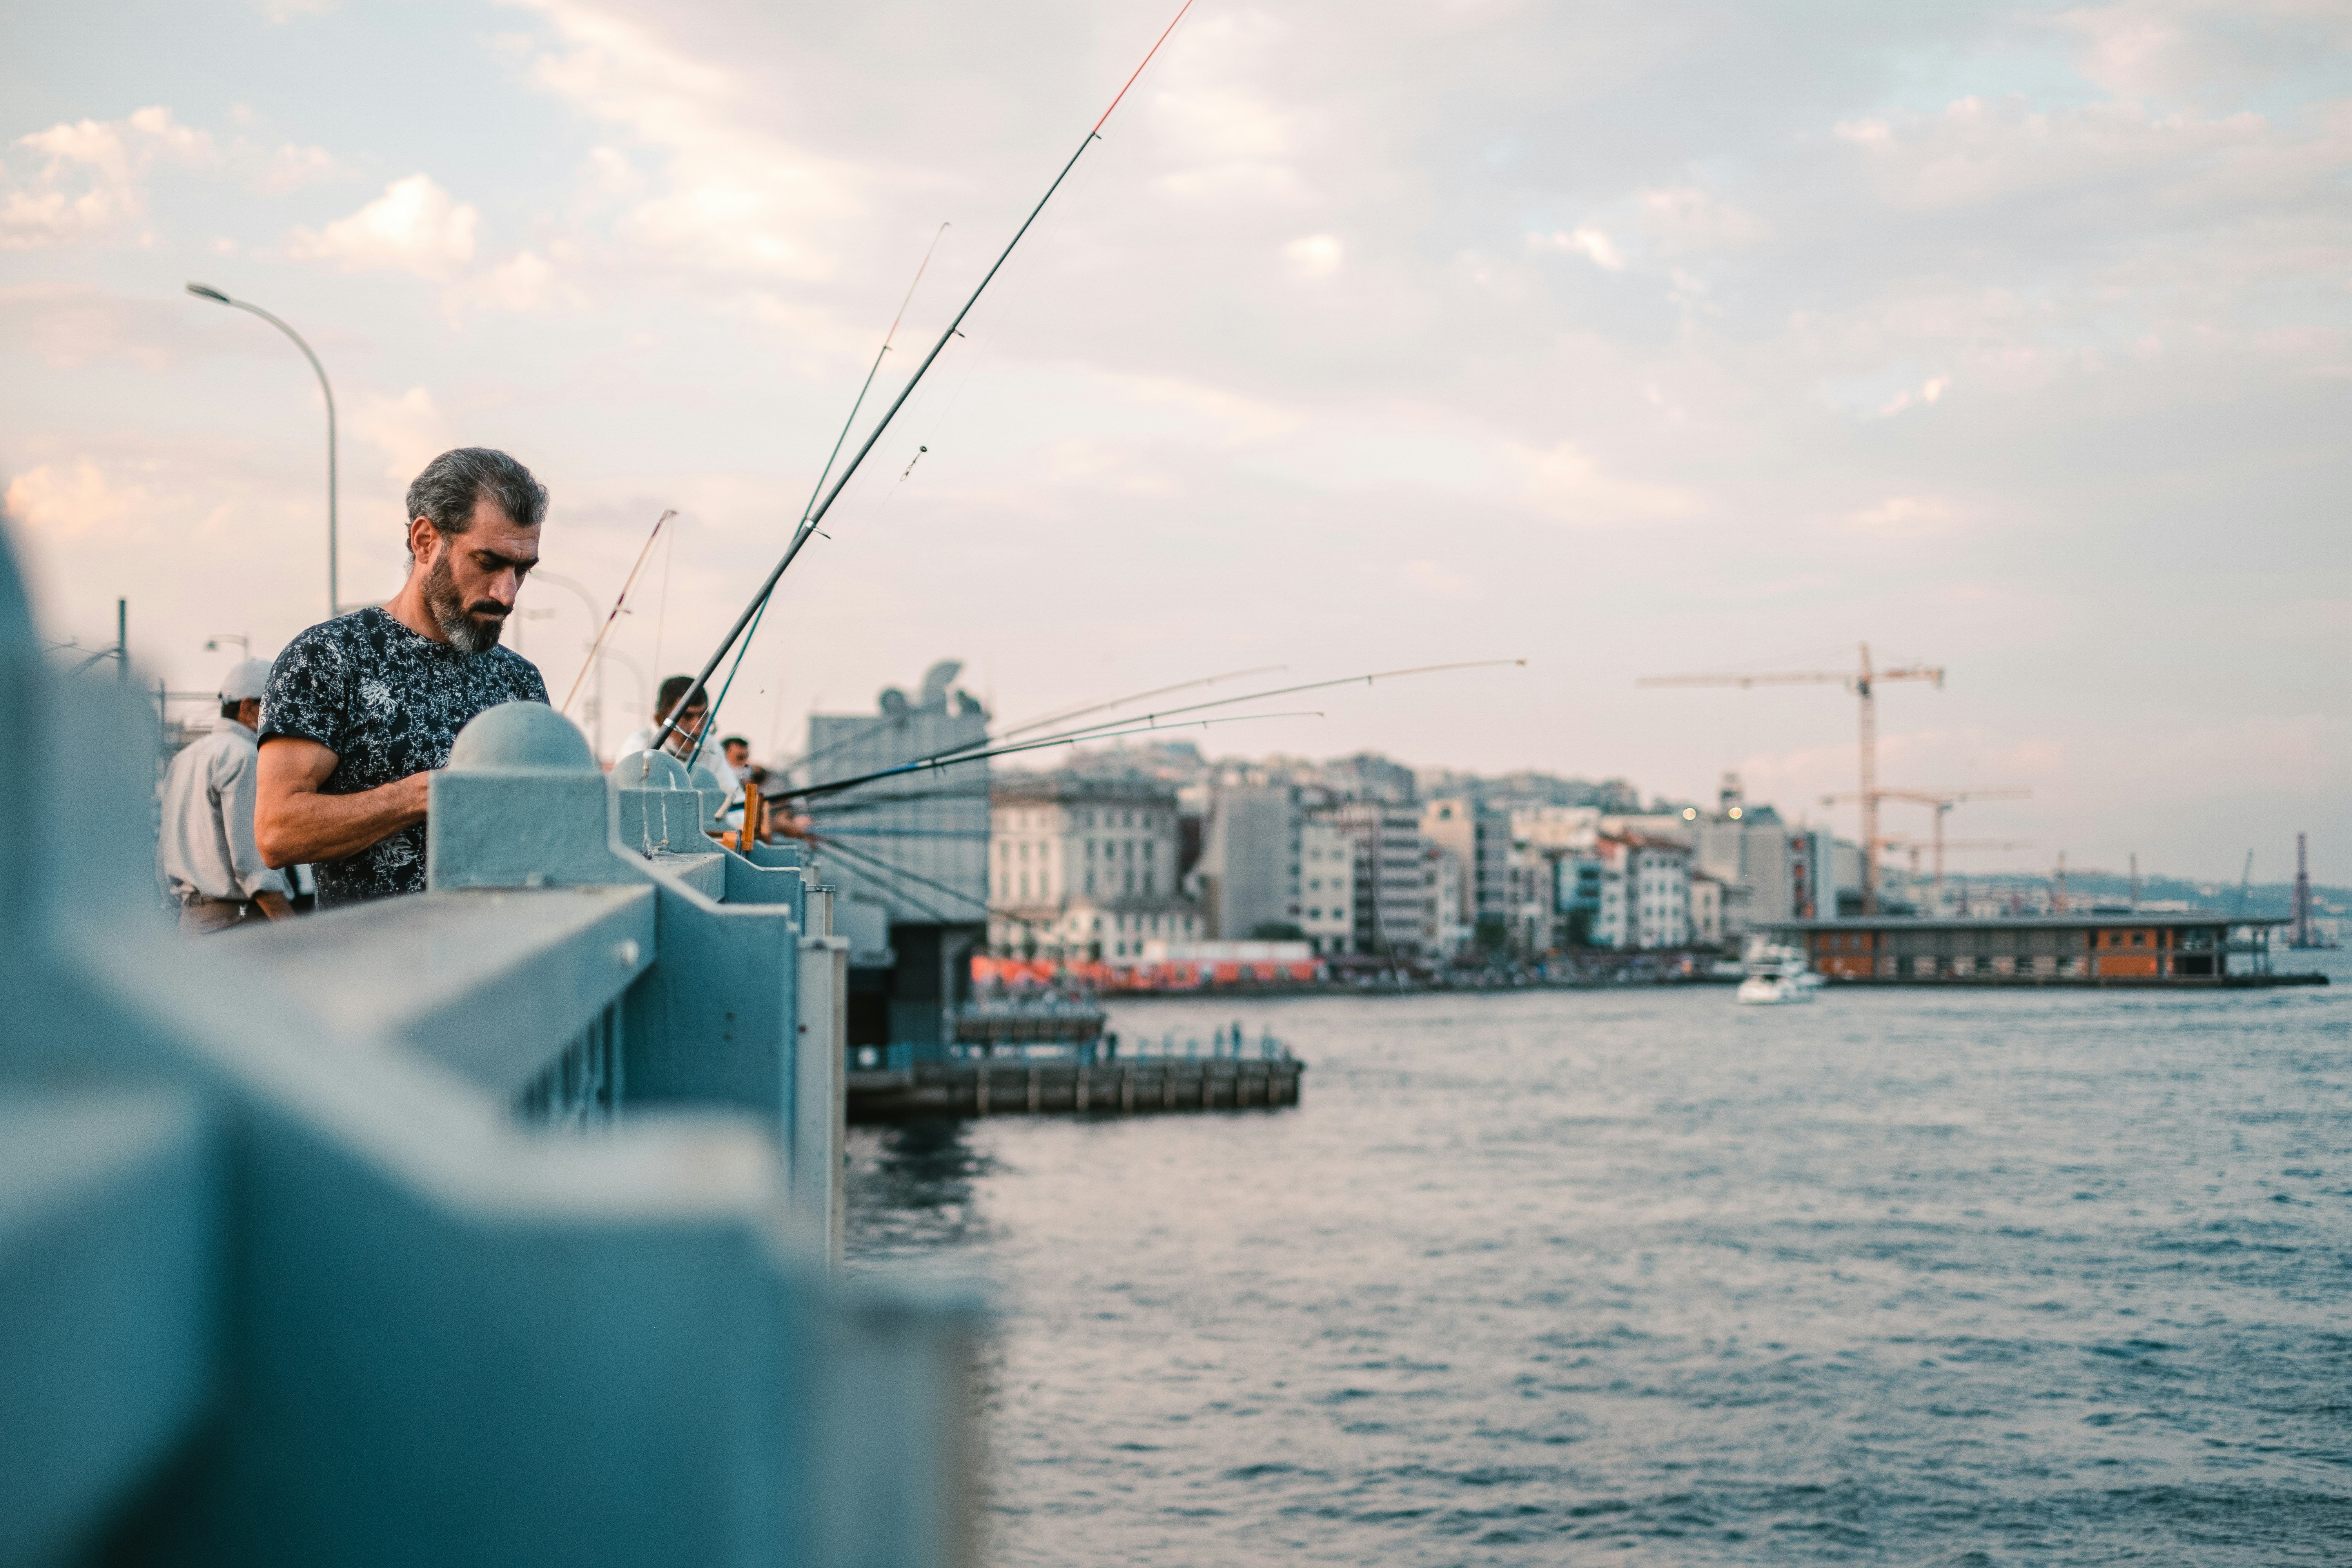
x=1083 y=868
x=1645 y=893
x=1390 y=892
x=1557 y=827
x=1707 y=901
x=1479 y=837
x=1249 y=873
x=1444 y=934
x=1532 y=877
x=1327 y=876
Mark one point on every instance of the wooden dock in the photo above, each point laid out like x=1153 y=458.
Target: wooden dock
x=1137 y=1087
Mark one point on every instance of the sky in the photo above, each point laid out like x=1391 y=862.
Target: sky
x=1628 y=340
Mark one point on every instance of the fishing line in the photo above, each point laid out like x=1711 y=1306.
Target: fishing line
x=711 y=723
x=661 y=621
x=996 y=326
x=626 y=584
x=809 y=524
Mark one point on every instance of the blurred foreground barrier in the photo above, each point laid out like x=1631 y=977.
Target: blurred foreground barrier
x=492 y=1225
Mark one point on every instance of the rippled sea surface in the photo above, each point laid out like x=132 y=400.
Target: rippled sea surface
x=1901 y=1277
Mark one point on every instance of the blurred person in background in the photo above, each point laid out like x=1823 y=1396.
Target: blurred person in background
x=206 y=854
x=689 y=725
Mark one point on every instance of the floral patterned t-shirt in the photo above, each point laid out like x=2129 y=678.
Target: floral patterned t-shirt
x=388 y=702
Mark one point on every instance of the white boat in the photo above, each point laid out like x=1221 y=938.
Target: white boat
x=1776 y=974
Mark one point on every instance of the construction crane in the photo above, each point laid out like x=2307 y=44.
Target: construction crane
x=1943 y=801
x=1896 y=841
x=1862 y=681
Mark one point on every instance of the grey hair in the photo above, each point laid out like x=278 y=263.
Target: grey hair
x=446 y=492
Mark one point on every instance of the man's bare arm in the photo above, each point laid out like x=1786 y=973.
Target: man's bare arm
x=294 y=824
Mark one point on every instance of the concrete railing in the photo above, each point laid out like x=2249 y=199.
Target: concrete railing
x=491 y=1226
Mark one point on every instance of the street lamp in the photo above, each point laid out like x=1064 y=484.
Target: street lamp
x=205 y=291
x=244 y=644
x=589 y=605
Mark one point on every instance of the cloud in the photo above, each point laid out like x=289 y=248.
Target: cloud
x=1313 y=257
x=1929 y=391
x=91 y=181
x=526 y=282
x=1104 y=466
x=414 y=227
x=291 y=168
x=1434 y=579
x=2178 y=48
x=1906 y=517
x=1228 y=139
x=72 y=325
x=70 y=501
x=1570 y=486
x=410 y=429
x=1586 y=241
x=1685 y=220
x=729 y=199
x=1979 y=151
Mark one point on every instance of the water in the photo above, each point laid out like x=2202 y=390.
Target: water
x=1901 y=1277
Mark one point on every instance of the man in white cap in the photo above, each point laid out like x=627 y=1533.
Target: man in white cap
x=207 y=855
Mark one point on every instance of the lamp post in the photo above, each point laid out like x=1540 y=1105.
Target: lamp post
x=205 y=291
x=589 y=605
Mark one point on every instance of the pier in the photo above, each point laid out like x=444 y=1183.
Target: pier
x=1072 y=1074
x=1131 y=1088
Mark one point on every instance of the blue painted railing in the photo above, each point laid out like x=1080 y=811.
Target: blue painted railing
x=495 y=1226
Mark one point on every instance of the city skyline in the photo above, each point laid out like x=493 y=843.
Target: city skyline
x=2013 y=341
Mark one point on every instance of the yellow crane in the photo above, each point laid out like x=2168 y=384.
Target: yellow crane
x=1943 y=801
x=1862 y=681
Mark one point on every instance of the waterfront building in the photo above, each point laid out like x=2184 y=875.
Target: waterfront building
x=1645 y=892
x=1389 y=888
x=1479 y=837
x=1569 y=827
x=1247 y=879
x=908 y=856
x=1707 y=891
x=1768 y=870
x=1576 y=897
x=1443 y=933
x=1531 y=872
x=1084 y=867
x=2119 y=947
x=1327 y=857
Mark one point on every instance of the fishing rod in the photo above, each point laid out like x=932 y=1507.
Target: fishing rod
x=953 y=754
x=1024 y=728
x=804 y=791
x=711 y=723
x=808 y=524
x=590 y=663
x=887 y=868
x=1122 y=701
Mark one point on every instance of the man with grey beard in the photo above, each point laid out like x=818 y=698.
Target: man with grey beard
x=360 y=710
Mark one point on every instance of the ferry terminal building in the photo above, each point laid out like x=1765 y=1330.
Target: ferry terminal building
x=2120 y=948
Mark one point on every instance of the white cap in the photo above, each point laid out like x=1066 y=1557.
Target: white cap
x=246 y=678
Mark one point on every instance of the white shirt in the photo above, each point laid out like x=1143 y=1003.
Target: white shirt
x=206 y=848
